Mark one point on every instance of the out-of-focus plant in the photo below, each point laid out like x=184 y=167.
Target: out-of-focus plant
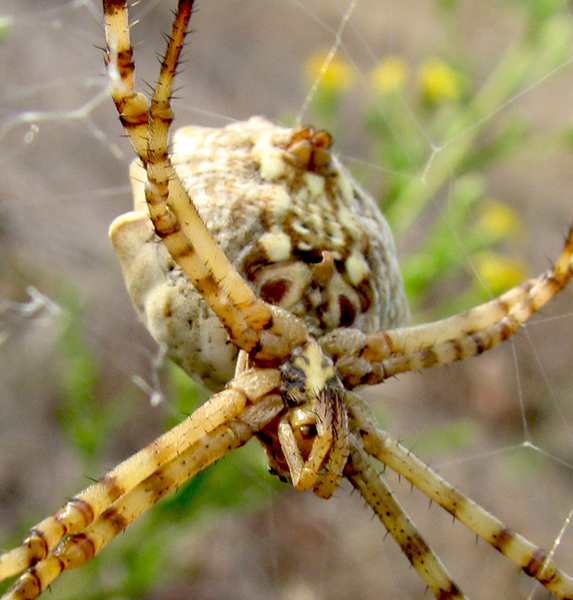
x=434 y=129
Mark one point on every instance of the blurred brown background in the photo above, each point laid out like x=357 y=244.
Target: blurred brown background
x=63 y=178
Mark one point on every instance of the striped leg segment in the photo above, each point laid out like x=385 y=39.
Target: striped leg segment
x=378 y=495
x=534 y=561
x=77 y=514
x=75 y=550
x=369 y=359
x=172 y=211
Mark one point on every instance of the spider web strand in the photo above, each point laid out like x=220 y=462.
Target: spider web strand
x=534 y=561
x=369 y=359
x=372 y=487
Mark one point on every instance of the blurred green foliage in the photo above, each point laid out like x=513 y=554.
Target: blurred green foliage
x=433 y=131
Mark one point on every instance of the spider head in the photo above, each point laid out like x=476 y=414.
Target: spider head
x=312 y=389
x=309 y=374
x=313 y=432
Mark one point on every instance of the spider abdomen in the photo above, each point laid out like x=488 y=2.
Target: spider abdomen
x=291 y=221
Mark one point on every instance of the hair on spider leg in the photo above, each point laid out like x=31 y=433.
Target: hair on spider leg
x=167 y=37
x=179 y=70
x=174 y=96
x=150 y=88
x=104 y=50
x=173 y=11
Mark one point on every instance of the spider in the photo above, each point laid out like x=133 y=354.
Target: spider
x=286 y=302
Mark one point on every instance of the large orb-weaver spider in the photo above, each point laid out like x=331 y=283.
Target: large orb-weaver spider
x=312 y=142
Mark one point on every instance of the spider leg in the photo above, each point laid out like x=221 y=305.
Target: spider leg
x=75 y=550
x=378 y=495
x=249 y=387
x=369 y=359
x=304 y=469
x=328 y=480
x=534 y=561
x=173 y=213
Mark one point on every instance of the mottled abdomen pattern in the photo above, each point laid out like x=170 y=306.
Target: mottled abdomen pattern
x=292 y=222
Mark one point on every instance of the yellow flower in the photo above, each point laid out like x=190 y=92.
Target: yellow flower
x=333 y=73
x=499 y=219
x=498 y=272
x=389 y=75
x=438 y=81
